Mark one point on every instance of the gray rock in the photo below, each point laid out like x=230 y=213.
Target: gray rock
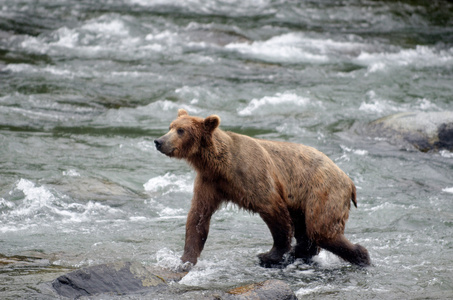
x=116 y=278
x=425 y=131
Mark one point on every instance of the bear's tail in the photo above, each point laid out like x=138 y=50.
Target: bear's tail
x=354 y=195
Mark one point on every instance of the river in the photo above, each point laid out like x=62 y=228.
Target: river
x=86 y=86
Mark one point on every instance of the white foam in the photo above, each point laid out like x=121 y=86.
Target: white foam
x=34 y=114
x=448 y=190
x=290 y=47
x=61 y=38
x=71 y=173
x=164 y=36
x=200 y=274
x=420 y=56
x=375 y=67
x=146 y=146
x=169 y=183
x=355 y=151
x=204 y=272
x=168 y=212
x=326 y=259
x=446 y=153
x=375 y=104
x=295 y=47
x=34 y=44
x=279 y=102
x=378 y=105
x=163 y=185
x=19 y=68
x=388 y=206
x=25 y=68
x=157 y=2
x=195 y=93
x=168 y=259
x=104 y=35
x=426 y=104
x=167 y=112
x=42 y=206
x=105 y=26
x=239 y=7
x=6 y=204
x=77 y=212
x=138 y=219
x=291 y=128
x=66 y=38
x=58 y=72
x=35 y=197
x=307 y=291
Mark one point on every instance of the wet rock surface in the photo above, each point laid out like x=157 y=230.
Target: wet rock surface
x=134 y=279
x=425 y=131
x=269 y=289
x=116 y=278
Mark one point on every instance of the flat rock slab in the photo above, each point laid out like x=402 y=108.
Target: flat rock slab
x=425 y=131
x=116 y=278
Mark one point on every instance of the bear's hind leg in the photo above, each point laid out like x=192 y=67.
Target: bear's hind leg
x=305 y=248
x=281 y=229
x=341 y=246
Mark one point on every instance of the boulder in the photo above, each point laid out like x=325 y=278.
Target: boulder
x=116 y=278
x=426 y=131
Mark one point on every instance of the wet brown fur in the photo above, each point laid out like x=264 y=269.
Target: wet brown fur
x=297 y=190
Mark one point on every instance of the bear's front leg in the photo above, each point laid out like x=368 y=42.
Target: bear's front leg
x=280 y=225
x=204 y=204
x=197 y=229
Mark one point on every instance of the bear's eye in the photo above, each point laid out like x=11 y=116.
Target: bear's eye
x=180 y=131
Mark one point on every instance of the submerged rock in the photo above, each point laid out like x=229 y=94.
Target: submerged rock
x=269 y=289
x=425 y=131
x=90 y=188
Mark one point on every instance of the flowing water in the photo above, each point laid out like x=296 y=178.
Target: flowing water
x=85 y=87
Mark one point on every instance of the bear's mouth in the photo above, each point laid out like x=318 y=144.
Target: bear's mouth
x=169 y=152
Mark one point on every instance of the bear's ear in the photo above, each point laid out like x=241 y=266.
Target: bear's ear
x=211 y=123
x=182 y=112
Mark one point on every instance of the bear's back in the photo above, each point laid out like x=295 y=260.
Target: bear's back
x=307 y=172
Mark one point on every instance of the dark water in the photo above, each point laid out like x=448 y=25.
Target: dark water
x=85 y=87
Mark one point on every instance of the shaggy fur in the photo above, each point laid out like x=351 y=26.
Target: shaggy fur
x=297 y=190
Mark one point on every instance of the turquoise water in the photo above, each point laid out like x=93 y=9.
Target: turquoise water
x=86 y=86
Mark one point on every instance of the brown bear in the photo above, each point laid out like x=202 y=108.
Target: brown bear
x=297 y=190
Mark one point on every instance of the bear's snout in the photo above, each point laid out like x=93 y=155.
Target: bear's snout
x=158 y=143
x=164 y=146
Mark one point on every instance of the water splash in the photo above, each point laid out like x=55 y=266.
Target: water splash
x=169 y=183
x=269 y=104
x=448 y=190
x=32 y=205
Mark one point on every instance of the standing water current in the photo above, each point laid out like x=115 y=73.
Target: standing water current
x=86 y=86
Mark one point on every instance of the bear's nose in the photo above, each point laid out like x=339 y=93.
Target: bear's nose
x=158 y=144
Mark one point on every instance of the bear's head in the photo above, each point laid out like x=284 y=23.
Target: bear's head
x=187 y=135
